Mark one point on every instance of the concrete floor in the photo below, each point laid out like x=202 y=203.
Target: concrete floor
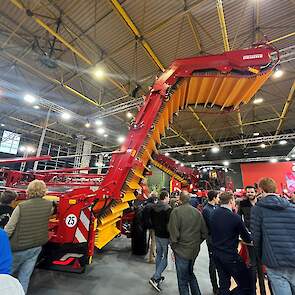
x=115 y=272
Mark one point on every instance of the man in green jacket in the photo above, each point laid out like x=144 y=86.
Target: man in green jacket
x=187 y=230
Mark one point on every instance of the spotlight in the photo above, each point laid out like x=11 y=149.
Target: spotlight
x=273 y=160
x=121 y=139
x=215 y=149
x=66 y=116
x=87 y=125
x=193 y=165
x=30 y=98
x=36 y=107
x=189 y=153
x=263 y=145
x=287 y=159
x=256 y=134
x=278 y=73
x=258 y=100
x=167 y=154
x=105 y=135
x=98 y=122
x=129 y=115
x=2 y=125
x=99 y=73
x=176 y=162
x=181 y=164
x=226 y=163
x=100 y=131
x=283 y=142
x=187 y=143
x=293 y=156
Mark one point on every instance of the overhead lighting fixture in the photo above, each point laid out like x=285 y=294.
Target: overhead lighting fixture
x=204 y=170
x=263 y=145
x=215 y=149
x=187 y=143
x=2 y=125
x=66 y=116
x=36 y=107
x=87 y=125
x=193 y=165
x=99 y=73
x=121 y=139
x=105 y=135
x=27 y=149
x=273 y=160
x=98 y=122
x=129 y=115
x=278 y=73
x=226 y=163
x=293 y=156
x=256 y=134
x=176 y=162
x=189 y=153
x=225 y=170
x=181 y=164
x=283 y=142
x=30 y=98
x=287 y=159
x=100 y=131
x=255 y=151
x=258 y=100
x=167 y=154
x=203 y=156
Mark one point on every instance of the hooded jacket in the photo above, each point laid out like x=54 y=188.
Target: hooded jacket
x=160 y=214
x=273 y=230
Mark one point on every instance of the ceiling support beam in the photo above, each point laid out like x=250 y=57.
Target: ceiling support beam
x=202 y=124
x=286 y=108
x=222 y=24
x=194 y=31
x=251 y=140
x=18 y=4
x=281 y=38
x=127 y=20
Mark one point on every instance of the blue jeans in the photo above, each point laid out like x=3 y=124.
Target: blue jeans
x=282 y=280
x=23 y=265
x=185 y=276
x=161 y=258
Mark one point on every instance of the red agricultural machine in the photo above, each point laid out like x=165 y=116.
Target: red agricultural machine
x=86 y=218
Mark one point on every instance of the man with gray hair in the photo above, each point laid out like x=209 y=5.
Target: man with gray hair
x=187 y=230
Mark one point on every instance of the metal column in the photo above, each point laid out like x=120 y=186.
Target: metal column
x=85 y=159
x=79 y=150
x=41 y=141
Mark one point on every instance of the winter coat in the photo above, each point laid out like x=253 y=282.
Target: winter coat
x=160 y=214
x=272 y=226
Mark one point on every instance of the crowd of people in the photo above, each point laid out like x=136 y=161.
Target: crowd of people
x=23 y=231
x=262 y=225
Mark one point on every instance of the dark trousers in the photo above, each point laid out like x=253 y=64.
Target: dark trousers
x=212 y=268
x=187 y=281
x=234 y=267
x=253 y=266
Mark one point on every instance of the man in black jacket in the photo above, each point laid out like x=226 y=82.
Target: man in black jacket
x=244 y=211
x=209 y=208
x=226 y=227
x=272 y=227
x=160 y=214
x=5 y=206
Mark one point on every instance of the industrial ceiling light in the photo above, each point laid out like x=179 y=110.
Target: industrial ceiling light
x=181 y=164
x=189 y=153
x=293 y=156
x=256 y=134
x=167 y=154
x=27 y=149
x=287 y=159
x=263 y=145
x=100 y=131
x=121 y=139
x=273 y=160
x=2 y=125
x=215 y=149
x=193 y=165
x=226 y=163
x=30 y=98
x=129 y=115
x=278 y=73
x=176 y=162
x=99 y=73
x=36 y=107
x=283 y=142
x=258 y=100
x=87 y=125
x=105 y=135
x=187 y=143
x=98 y=122
x=66 y=116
